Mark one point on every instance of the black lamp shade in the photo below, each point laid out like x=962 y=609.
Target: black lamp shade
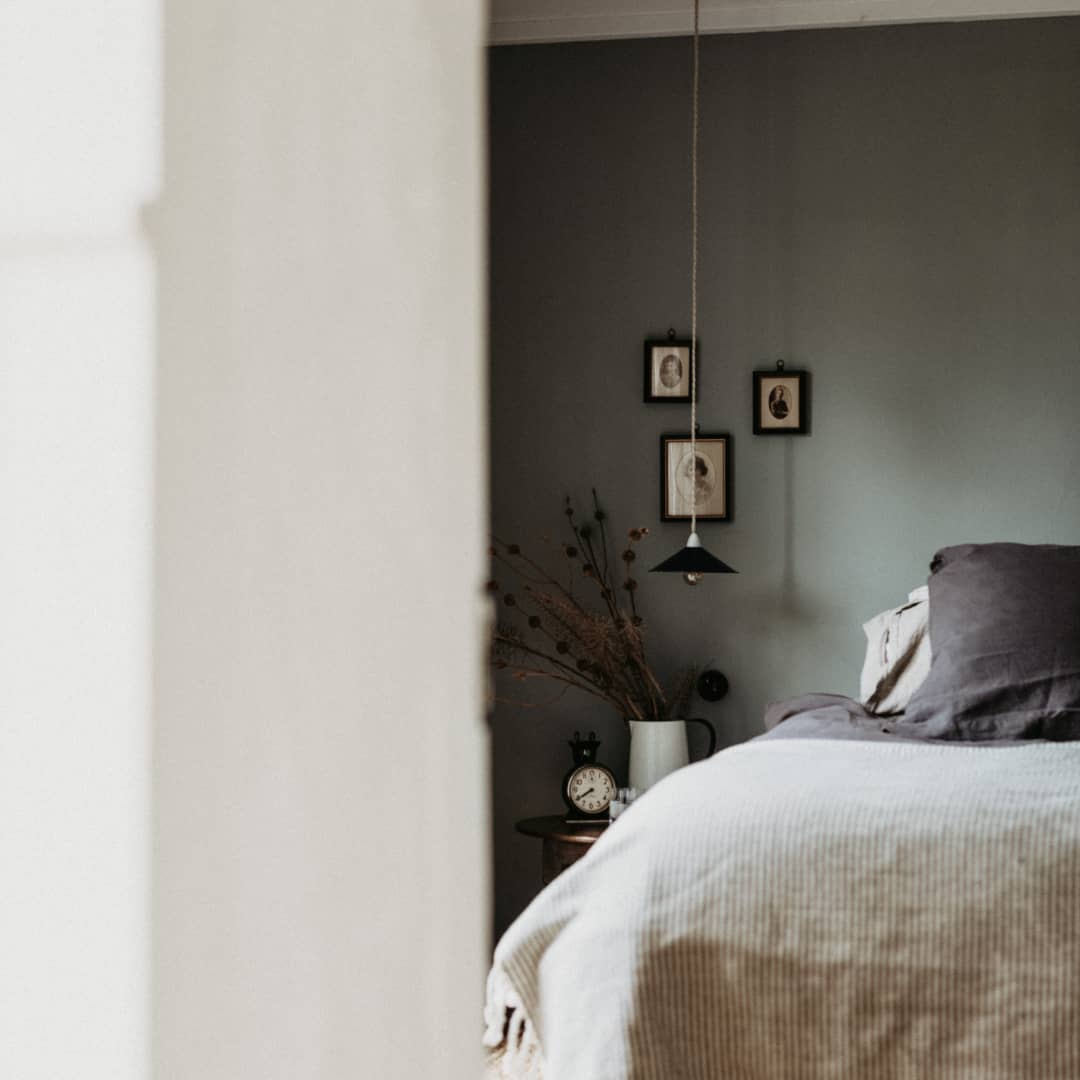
x=693 y=560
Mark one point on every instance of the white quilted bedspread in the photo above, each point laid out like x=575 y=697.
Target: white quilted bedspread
x=813 y=909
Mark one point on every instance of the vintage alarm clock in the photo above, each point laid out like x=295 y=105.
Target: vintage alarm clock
x=588 y=787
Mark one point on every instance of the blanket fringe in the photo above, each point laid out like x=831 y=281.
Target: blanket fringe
x=509 y=1032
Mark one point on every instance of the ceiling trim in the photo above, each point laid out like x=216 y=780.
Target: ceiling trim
x=519 y=22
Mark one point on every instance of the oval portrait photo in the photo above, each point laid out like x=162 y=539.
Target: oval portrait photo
x=779 y=403
x=697 y=472
x=671 y=371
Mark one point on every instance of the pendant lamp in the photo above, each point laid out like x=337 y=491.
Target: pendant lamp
x=693 y=561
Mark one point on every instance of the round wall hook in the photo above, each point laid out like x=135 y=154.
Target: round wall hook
x=712 y=685
x=779 y=365
x=671 y=335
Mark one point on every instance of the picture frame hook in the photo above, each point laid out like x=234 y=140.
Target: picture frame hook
x=671 y=335
x=779 y=365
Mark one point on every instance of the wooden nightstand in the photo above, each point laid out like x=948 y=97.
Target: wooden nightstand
x=563 y=844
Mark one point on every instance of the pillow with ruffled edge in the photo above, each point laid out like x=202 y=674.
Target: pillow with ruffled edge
x=897 y=655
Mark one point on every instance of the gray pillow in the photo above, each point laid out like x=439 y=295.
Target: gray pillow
x=1005 y=632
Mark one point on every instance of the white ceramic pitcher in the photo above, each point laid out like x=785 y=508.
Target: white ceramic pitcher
x=658 y=747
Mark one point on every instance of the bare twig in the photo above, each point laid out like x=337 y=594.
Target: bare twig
x=601 y=517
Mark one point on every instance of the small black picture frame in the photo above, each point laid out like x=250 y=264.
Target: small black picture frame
x=781 y=401
x=713 y=471
x=667 y=370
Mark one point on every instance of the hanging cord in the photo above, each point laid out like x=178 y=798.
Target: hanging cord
x=693 y=278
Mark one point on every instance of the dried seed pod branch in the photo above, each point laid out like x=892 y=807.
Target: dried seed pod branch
x=548 y=632
x=507 y=646
x=600 y=516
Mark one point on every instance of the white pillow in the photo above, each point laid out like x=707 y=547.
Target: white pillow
x=897 y=654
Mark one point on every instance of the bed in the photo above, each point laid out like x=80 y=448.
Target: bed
x=853 y=894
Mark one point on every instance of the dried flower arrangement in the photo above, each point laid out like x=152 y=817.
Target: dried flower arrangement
x=550 y=631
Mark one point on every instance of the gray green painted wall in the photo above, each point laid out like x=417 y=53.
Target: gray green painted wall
x=896 y=210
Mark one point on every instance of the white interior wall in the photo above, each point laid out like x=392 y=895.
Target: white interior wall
x=78 y=158
x=320 y=761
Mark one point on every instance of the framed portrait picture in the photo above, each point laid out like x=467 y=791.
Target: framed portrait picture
x=781 y=402
x=667 y=370
x=708 y=471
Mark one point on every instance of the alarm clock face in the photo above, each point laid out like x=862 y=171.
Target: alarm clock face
x=591 y=788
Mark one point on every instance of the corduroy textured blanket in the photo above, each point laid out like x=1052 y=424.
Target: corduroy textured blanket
x=813 y=909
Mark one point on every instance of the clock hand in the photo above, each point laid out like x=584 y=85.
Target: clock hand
x=589 y=792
